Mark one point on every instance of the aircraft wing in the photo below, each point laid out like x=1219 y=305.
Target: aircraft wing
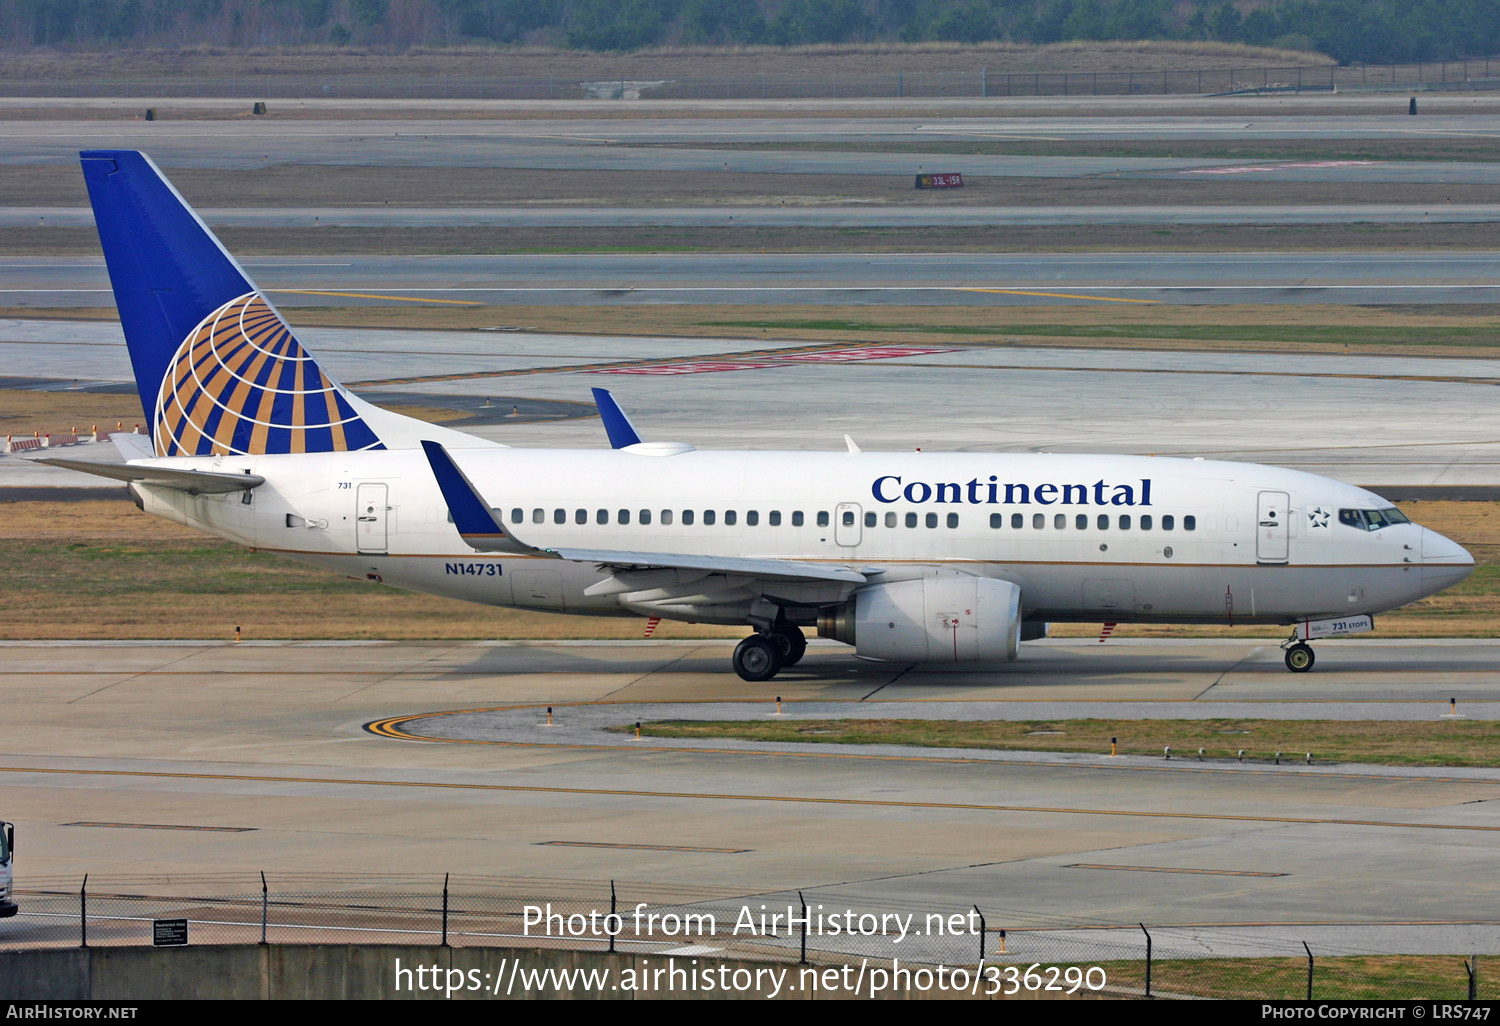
x=194 y=482
x=478 y=526
x=764 y=569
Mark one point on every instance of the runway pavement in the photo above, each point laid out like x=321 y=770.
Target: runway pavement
x=1466 y=276
x=271 y=737
x=850 y=216
x=633 y=145
x=622 y=142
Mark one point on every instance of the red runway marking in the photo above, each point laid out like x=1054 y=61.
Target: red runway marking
x=1278 y=167
x=827 y=356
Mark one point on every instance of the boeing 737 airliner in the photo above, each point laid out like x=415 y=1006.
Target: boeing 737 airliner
x=913 y=557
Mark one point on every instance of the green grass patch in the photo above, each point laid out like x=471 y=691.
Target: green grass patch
x=1343 y=977
x=1435 y=742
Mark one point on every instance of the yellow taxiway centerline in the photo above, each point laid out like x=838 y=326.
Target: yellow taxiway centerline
x=1058 y=295
x=400 y=299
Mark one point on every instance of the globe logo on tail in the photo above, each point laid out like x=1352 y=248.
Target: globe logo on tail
x=241 y=384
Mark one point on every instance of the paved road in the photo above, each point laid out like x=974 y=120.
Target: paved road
x=270 y=737
x=948 y=278
x=850 y=216
x=695 y=144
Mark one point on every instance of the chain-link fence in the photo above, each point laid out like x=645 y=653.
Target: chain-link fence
x=836 y=926
x=970 y=82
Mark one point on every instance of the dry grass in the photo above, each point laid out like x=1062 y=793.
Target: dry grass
x=1447 y=331
x=431 y=414
x=23 y=412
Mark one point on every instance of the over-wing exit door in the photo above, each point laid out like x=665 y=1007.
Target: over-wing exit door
x=846 y=528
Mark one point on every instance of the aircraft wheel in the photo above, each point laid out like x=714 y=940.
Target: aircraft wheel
x=791 y=644
x=757 y=658
x=1300 y=658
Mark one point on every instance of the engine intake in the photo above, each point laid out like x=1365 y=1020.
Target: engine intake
x=932 y=620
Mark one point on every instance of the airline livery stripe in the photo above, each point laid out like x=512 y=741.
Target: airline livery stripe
x=935 y=561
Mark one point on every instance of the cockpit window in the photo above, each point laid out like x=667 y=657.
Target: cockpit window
x=1371 y=519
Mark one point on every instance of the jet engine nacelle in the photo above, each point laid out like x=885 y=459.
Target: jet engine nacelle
x=932 y=620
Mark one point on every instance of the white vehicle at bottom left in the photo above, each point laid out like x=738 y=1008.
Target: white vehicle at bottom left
x=8 y=905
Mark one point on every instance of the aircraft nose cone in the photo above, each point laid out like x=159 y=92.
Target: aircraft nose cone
x=1444 y=562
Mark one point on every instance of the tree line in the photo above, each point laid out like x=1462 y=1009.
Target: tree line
x=1351 y=31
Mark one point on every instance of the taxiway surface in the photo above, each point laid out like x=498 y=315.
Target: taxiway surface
x=271 y=737
x=818 y=278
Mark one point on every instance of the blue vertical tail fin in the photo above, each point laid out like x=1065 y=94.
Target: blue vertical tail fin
x=218 y=370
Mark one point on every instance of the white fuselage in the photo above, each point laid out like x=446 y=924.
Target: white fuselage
x=1086 y=538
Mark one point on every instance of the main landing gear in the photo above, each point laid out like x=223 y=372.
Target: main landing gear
x=1299 y=655
x=762 y=656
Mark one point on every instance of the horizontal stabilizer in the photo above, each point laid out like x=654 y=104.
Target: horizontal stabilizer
x=616 y=424
x=761 y=569
x=132 y=446
x=194 y=482
x=476 y=524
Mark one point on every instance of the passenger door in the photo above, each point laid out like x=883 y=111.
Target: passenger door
x=1271 y=527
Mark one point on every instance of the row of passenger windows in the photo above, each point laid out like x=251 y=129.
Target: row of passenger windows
x=1145 y=522
x=730 y=518
x=667 y=517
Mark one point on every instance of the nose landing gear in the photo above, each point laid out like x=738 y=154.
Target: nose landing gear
x=1299 y=655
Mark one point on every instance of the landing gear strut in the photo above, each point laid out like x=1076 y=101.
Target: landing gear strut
x=1299 y=656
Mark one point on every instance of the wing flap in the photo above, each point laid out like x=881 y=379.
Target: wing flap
x=761 y=569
